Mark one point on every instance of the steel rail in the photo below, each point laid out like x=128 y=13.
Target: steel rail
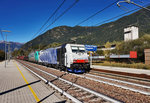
x=120 y=86
x=60 y=90
x=121 y=81
x=86 y=89
x=122 y=76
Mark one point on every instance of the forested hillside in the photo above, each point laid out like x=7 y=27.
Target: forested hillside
x=98 y=35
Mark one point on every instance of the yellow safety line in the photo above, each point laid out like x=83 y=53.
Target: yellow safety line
x=32 y=91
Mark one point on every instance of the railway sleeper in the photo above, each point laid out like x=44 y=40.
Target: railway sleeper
x=86 y=97
x=64 y=88
x=75 y=88
x=78 y=95
x=90 y=97
x=71 y=90
x=68 y=86
x=82 y=94
x=79 y=90
x=97 y=100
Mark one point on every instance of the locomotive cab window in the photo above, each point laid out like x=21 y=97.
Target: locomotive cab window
x=81 y=49
x=77 y=49
x=74 y=49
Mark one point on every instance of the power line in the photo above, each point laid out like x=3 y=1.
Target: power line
x=49 y=18
x=131 y=2
x=97 y=13
x=120 y=15
x=76 y=1
x=61 y=14
x=141 y=6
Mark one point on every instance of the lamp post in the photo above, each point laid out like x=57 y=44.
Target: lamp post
x=5 y=45
x=9 y=53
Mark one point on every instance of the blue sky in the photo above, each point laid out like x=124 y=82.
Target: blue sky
x=25 y=17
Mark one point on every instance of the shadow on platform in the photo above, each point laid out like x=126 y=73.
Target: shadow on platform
x=64 y=101
x=2 y=93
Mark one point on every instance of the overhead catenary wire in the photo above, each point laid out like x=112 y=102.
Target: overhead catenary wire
x=76 y=1
x=61 y=15
x=119 y=15
x=49 y=18
x=88 y=17
x=131 y=2
x=141 y=6
x=97 y=13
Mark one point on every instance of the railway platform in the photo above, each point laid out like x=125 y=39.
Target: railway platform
x=17 y=85
x=121 y=69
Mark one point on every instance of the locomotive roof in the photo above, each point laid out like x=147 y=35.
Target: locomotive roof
x=76 y=44
x=64 y=46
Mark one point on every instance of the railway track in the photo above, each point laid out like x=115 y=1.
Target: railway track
x=140 y=77
x=71 y=90
x=136 y=80
x=121 y=91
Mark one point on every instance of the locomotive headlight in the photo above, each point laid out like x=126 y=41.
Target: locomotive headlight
x=74 y=61
x=86 y=61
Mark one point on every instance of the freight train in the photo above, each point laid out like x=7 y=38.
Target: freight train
x=69 y=57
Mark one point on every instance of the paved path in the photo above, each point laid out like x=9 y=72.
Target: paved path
x=121 y=69
x=14 y=88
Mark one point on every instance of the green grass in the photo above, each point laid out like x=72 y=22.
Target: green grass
x=133 y=65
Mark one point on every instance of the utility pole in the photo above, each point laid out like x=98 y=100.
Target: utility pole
x=9 y=52
x=5 y=49
x=131 y=2
x=5 y=45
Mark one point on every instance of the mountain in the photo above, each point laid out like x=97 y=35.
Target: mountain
x=112 y=31
x=13 y=45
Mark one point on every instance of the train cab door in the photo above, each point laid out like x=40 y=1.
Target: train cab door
x=61 y=56
x=63 y=51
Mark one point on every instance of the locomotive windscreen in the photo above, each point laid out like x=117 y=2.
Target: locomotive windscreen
x=77 y=49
